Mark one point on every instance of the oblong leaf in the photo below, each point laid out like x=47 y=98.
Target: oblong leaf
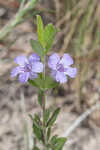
x=59 y=143
x=49 y=33
x=48 y=133
x=50 y=83
x=53 y=140
x=37 y=83
x=46 y=115
x=37 y=132
x=33 y=83
x=37 y=47
x=40 y=30
x=53 y=117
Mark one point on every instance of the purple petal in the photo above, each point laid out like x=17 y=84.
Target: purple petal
x=53 y=74
x=37 y=67
x=15 y=71
x=72 y=72
x=24 y=77
x=53 y=60
x=33 y=75
x=21 y=60
x=61 y=77
x=34 y=57
x=67 y=60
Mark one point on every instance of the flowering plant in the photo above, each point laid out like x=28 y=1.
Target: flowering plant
x=32 y=70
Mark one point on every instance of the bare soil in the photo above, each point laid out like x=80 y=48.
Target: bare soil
x=14 y=110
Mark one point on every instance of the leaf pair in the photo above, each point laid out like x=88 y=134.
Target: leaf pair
x=45 y=34
x=45 y=38
x=44 y=84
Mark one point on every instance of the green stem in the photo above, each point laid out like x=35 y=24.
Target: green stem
x=44 y=127
x=44 y=107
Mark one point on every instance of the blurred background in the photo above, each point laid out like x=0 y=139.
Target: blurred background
x=78 y=22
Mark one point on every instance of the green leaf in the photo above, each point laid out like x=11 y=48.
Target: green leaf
x=37 y=127
x=48 y=133
x=38 y=82
x=53 y=117
x=46 y=115
x=33 y=83
x=53 y=140
x=59 y=143
x=37 y=131
x=40 y=96
x=49 y=33
x=50 y=83
x=36 y=148
x=40 y=30
x=37 y=120
x=37 y=47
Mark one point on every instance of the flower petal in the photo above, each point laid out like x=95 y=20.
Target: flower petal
x=53 y=60
x=34 y=57
x=67 y=60
x=23 y=77
x=72 y=72
x=33 y=75
x=15 y=71
x=61 y=77
x=37 y=67
x=21 y=60
x=53 y=74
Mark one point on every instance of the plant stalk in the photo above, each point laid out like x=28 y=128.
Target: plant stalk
x=44 y=107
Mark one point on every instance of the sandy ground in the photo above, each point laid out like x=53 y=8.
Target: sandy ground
x=14 y=110
x=14 y=117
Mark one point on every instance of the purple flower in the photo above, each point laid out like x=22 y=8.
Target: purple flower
x=61 y=67
x=28 y=68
